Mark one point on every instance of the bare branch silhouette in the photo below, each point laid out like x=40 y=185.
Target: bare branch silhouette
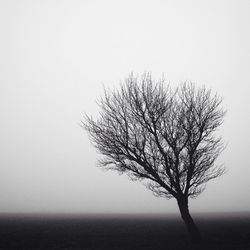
x=160 y=134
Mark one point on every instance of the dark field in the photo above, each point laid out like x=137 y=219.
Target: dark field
x=219 y=231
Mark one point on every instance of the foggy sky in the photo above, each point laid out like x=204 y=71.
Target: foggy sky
x=55 y=58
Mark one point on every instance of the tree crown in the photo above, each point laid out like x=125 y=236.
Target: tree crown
x=162 y=134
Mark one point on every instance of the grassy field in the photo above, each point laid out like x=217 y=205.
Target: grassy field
x=219 y=231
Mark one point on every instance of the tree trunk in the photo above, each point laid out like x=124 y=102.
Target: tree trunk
x=193 y=231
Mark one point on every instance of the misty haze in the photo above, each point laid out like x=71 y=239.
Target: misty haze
x=56 y=60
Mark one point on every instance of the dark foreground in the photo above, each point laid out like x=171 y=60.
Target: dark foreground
x=144 y=232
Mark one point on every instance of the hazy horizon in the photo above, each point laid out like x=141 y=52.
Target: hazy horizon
x=155 y=215
x=55 y=58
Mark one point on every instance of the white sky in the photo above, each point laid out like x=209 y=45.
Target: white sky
x=55 y=57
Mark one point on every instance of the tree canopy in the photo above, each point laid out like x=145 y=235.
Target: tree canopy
x=159 y=133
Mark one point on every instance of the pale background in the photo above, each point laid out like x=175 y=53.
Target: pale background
x=55 y=57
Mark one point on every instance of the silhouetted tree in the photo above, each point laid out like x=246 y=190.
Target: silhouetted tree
x=163 y=135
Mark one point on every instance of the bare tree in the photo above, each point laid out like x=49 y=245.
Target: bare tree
x=163 y=135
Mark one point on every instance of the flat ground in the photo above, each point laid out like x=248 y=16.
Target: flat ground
x=142 y=232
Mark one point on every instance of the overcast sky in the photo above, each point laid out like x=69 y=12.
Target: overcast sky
x=55 y=57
